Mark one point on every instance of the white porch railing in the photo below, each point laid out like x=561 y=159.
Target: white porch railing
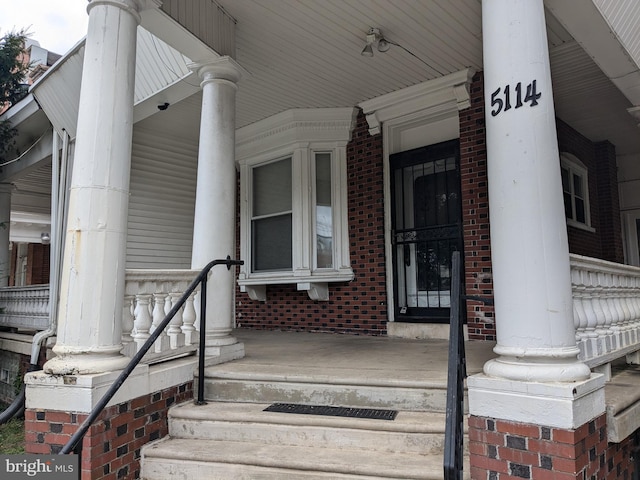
x=606 y=301
x=606 y=304
x=149 y=296
x=25 y=307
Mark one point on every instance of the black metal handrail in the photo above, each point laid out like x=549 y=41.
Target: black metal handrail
x=457 y=372
x=75 y=442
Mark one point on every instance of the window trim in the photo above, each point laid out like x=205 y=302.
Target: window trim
x=576 y=167
x=298 y=134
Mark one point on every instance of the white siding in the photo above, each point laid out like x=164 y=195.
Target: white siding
x=624 y=18
x=161 y=205
x=206 y=20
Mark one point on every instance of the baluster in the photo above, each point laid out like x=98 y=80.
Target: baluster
x=616 y=310
x=142 y=322
x=175 y=330
x=128 y=345
x=579 y=316
x=630 y=311
x=188 y=321
x=590 y=335
x=162 y=343
x=635 y=302
x=604 y=330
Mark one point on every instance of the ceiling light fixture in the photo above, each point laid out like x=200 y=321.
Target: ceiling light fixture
x=374 y=37
x=382 y=44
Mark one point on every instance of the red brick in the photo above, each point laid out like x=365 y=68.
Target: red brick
x=521 y=429
x=542 y=474
x=488 y=464
x=564 y=436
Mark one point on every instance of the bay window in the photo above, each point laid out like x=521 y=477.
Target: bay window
x=293 y=204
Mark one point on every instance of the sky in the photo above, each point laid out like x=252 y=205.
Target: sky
x=56 y=24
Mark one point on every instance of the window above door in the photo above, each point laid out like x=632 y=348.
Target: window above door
x=293 y=201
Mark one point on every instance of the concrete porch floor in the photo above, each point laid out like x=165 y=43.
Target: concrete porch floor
x=364 y=359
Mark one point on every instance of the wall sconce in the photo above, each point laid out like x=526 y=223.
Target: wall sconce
x=45 y=238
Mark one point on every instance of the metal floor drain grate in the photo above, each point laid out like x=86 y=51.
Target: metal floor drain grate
x=371 y=413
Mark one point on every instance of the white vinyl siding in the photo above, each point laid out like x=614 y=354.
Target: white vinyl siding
x=161 y=203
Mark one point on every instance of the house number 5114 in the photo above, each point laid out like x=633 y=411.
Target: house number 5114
x=501 y=99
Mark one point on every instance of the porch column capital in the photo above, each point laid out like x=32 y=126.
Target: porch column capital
x=530 y=254
x=221 y=68
x=134 y=7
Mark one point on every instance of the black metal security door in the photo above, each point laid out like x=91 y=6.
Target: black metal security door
x=426 y=230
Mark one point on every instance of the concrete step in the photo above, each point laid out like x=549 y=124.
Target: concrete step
x=410 y=432
x=177 y=458
x=235 y=382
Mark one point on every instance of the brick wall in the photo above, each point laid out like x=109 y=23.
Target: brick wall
x=502 y=450
x=610 y=228
x=111 y=448
x=37 y=264
x=475 y=214
x=360 y=306
x=356 y=307
x=600 y=160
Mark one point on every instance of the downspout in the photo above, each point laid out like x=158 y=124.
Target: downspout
x=58 y=185
x=58 y=195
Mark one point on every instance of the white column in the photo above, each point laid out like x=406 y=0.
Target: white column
x=537 y=377
x=215 y=212
x=529 y=248
x=93 y=267
x=5 y=221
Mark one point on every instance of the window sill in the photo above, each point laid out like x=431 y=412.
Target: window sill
x=316 y=285
x=580 y=226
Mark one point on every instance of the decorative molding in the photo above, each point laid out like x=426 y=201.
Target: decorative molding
x=255 y=292
x=297 y=126
x=317 y=286
x=452 y=90
x=316 y=291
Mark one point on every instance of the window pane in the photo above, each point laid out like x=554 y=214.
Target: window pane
x=324 y=212
x=567 y=205
x=580 y=216
x=272 y=188
x=565 y=180
x=271 y=243
x=577 y=185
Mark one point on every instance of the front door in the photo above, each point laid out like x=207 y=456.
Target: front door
x=426 y=230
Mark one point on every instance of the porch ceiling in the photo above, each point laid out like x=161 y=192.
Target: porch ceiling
x=306 y=54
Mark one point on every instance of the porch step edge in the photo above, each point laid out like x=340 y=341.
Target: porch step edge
x=184 y=455
x=405 y=422
x=318 y=376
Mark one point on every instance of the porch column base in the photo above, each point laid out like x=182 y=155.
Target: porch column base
x=216 y=354
x=85 y=363
x=555 y=404
x=81 y=392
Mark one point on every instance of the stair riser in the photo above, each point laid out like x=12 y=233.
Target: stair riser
x=310 y=436
x=409 y=399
